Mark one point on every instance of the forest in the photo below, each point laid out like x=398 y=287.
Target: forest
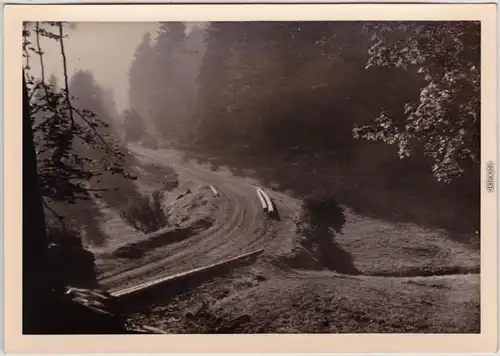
x=385 y=116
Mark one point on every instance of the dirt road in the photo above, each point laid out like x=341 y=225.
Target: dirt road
x=243 y=229
x=388 y=294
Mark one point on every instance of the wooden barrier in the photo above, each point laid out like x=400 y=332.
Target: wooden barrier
x=269 y=203
x=216 y=193
x=134 y=298
x=262 y=200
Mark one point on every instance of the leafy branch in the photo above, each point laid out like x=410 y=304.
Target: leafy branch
x=65 y=166
x=444 y=124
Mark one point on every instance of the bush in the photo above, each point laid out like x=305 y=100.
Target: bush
x=146 y=213
x=320 y=210
x=70 y=263
x=322 y=217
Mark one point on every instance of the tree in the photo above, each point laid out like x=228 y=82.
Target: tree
x=73 y=145
x=162 y=79
x=169 y=93
x=133 y=125
x=322 y=213
x=36 y=288
x=321 y=218
x=289 y=94
x=71 y=264
x=90 y=97
x=59 y=126
x=213 y=75
x=269 y=81
x=445 y=123
x=49 y=131
x=141 y=77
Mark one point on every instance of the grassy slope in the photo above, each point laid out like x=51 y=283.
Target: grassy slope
x=285 y=297
x=384 y=248
x=323 y=303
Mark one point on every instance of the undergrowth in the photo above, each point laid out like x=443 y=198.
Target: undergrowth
x=146 y=213
x=71 y=264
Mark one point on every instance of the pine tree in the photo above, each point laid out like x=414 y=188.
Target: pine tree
x=168 y=98
x=141 y=78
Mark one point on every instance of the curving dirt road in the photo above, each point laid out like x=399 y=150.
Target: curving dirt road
x=296 y=298
x=243 y=228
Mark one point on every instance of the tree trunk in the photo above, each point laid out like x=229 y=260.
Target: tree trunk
x=36 y=284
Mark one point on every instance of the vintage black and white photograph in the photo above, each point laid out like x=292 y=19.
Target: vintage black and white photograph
x=251 y=177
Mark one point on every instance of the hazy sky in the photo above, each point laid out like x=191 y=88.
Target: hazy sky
x=106 y=49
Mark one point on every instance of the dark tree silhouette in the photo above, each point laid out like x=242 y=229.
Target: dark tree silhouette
x=288 y=95
x=268 y=82
x=36 y=283
x=321 y=218
x=49 y=130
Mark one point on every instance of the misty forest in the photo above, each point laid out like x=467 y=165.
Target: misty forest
x=326 y=174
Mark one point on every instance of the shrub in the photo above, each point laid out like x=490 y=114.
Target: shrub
x=321 y=218
x=146 y=213
x=320 y=210
x=70 y=263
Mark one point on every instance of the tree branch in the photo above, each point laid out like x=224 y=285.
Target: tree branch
x=56 y=215
x=65 y=71
x=93 y=128
x=40 y=55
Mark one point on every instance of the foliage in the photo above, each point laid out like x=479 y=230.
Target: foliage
x=321 y=211
x=287 y=95
x=264 y=84
x=321 y=218
x=61 y=128
x=146 y=213
x=71 y=264
x=444 y=123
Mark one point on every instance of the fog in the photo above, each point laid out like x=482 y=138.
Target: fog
x=284 y=100
x=104 y=48
x=365 y=137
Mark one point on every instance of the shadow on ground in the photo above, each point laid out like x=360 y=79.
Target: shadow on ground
x=160 y=239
